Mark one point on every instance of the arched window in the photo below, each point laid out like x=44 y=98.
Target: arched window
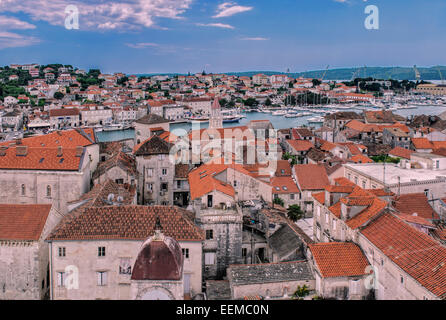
x=23 y=189
x=48 y=191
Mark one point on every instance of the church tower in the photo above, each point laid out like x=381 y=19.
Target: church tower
x=216 y=119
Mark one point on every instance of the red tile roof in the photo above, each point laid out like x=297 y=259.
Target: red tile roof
x=311 y=176
x=300 y=145
x=23 y=221
x=319 y=197
x=401 y=153
x=420 y=256
x=422 y=143
x=342 y=181
x=66 y=139
x=415 y=203
x=40 y=159
x=284 y=184
x=374 y=208
x=360 y=158
x=339 y=259
x=127 y=223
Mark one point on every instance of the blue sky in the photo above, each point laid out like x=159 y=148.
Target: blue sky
x=161 y=36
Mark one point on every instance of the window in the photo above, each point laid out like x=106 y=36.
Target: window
x=179 y=184
x=150 y=172
x=61 y=280
x=23 y=189
x=292 y=196
x=401 y=279
x=48 y=191
x=244 y=252
x=363 y=184
x=164 y=187
x=101 y=251
x=164 y=172
x=318 y=233
x=102 y=278
x=150 y=187
x=334 y=225
x=209 y=258
x=209 y=234
x=356 y=180
x=125 y=266
x=318 y=211
x=326 y=218
x=62 y=251
x=185 y=253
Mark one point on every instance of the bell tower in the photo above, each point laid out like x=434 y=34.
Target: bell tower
x=216 y=119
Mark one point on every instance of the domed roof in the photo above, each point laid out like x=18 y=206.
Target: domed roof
x=160 y=258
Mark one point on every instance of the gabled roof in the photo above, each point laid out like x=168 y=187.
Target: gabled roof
x=311 y=176
x=422 y=143
x=128 y=223
x=40 y=159
x=300 y=145
x=339 y=259
x=65 y=139
x=401 y=153
x=284 y=185
x=152 y=119
x=23 y=221
x=202 y=181
x=420 y=256
x=415 y=203
x=121 y=160
x=153 y=146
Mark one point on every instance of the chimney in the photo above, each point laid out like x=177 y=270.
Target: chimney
x=79 y=151
x=21 y=151
x=59 y=151
x=3 y=151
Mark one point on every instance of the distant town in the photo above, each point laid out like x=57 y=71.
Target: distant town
x=220 y=187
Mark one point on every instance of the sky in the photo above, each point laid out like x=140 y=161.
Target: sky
x=173 y=36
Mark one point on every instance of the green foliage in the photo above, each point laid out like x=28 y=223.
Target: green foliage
x=58 y=95
x=251 y=102
x=384 y=158
x=301 y=292
x=295 y=213
x=279 y=201
x=268 y=102
x=287 y=156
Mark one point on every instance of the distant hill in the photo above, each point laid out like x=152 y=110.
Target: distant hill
x=395 y=73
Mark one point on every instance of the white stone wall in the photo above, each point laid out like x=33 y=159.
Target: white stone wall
x=84 y=255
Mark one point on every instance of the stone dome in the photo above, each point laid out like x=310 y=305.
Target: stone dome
x=160 y=258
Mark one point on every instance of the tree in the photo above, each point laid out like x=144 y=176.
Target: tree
x=268 y=102
x=58 y=95
x=301 y=292
x=316 y=82
x=279 y=201
x=295 y=213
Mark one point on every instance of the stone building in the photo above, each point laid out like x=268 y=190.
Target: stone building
x=24 y=259
x=341 y=270
x=101 y=245
x=120 y=167
x=158 y=270
x=273 y=281
x=216 y=118
x=155 y=170
x=147 y=125
x=36 y=175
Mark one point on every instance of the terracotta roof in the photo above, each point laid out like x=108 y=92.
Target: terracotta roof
x=66 y=139
x=311 y=176
x=420 y=256
x=339 y=259
x=283 y=168
x=319 y=197
x=336 y=209
x=202 y=181
x=152 y=119
x=415 y=203
x=153 y=146
x=360 y=158
x=128 y=223
x=375 y=208
x=284 y=184
x=64 y=112
x=40 y=159
x=300 y=145
x=422 y=143
x=121 y=160
x=23 y=221
x=401 y=153
x=342 y=181
x=417 y=220
x=181 y=171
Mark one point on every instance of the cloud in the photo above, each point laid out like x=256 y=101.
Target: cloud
x=99 y=14
x=12 y=23
x=14 y=40
x=215 y=25
x=229 y=9
x=141 y=45
x=255 y=39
